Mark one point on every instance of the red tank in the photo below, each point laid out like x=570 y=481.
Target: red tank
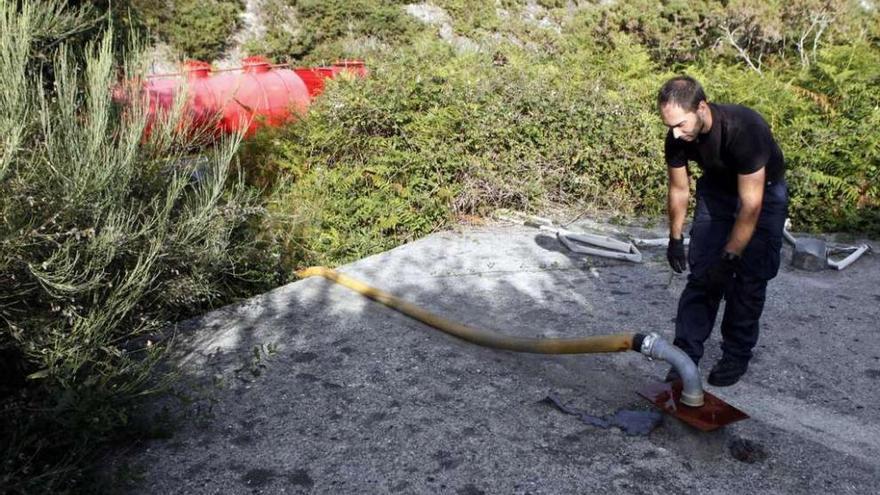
x=246 y=98
x=314 y=76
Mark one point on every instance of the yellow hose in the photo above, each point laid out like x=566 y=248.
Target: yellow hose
x=582 y=345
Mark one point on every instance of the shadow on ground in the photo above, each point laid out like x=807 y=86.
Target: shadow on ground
x=311 y=388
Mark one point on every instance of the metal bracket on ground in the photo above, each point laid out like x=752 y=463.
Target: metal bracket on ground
x=577 y=242
x=814 y=254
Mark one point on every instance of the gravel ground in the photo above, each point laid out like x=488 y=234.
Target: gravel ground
x=311 y=388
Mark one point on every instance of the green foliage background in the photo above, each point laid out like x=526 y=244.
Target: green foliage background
x=197 y=29
x=560 y=109
x=107 y=239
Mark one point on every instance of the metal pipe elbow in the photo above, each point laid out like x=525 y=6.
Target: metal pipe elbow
x=655 y=347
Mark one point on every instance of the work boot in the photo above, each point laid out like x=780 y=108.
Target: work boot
x=727 y=371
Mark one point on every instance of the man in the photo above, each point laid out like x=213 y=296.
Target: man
x=736 y=235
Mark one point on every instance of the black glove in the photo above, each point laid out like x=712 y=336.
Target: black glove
x=722 y=272
x=675 y=255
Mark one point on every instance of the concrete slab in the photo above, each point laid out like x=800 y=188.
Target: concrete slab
x=311 y=388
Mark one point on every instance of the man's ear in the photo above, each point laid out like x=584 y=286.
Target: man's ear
x=703 y=106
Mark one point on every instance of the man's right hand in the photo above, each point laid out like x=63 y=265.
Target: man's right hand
x=675 y=255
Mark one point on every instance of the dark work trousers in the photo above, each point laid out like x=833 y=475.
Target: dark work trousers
x=713 y=222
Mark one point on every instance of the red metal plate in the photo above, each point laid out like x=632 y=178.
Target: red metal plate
x=714 y=414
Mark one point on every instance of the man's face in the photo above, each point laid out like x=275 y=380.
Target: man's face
x=686 y=125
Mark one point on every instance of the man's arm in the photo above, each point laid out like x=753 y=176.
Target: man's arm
x=677 y=200
x=751 y=195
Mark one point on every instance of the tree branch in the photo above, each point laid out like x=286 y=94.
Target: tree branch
x=744 y=54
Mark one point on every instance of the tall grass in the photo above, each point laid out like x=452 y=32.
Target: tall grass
x=105 y=238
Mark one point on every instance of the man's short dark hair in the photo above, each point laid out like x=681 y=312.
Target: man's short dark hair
x=683 y=91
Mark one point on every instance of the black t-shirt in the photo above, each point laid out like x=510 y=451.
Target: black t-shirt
x=739 y=142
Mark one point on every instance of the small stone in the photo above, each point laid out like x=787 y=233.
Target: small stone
x=747 y=451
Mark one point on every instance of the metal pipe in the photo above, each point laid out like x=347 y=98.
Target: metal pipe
x=857 y=252
x=786 y=227
x=655 y=347
x=661 y=242
x=650 y=345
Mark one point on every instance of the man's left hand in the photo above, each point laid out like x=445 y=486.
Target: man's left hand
x=722 y=272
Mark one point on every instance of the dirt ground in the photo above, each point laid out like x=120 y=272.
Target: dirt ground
x=311 y=388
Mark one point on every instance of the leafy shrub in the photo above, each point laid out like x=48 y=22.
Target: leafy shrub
x=434 y=134
x=314 y=31
x=104 y=239
x=398 y=155
x=825 y=121
x=470 y=18
x=198 y=29
x=752 y=31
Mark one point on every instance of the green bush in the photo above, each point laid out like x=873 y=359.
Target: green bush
x=472 y=18
x=565 y=118
x=398 y=155
x=320 y=31
x=105 y=238
x=198 y=29
x=680 y=32
x=825 y=119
